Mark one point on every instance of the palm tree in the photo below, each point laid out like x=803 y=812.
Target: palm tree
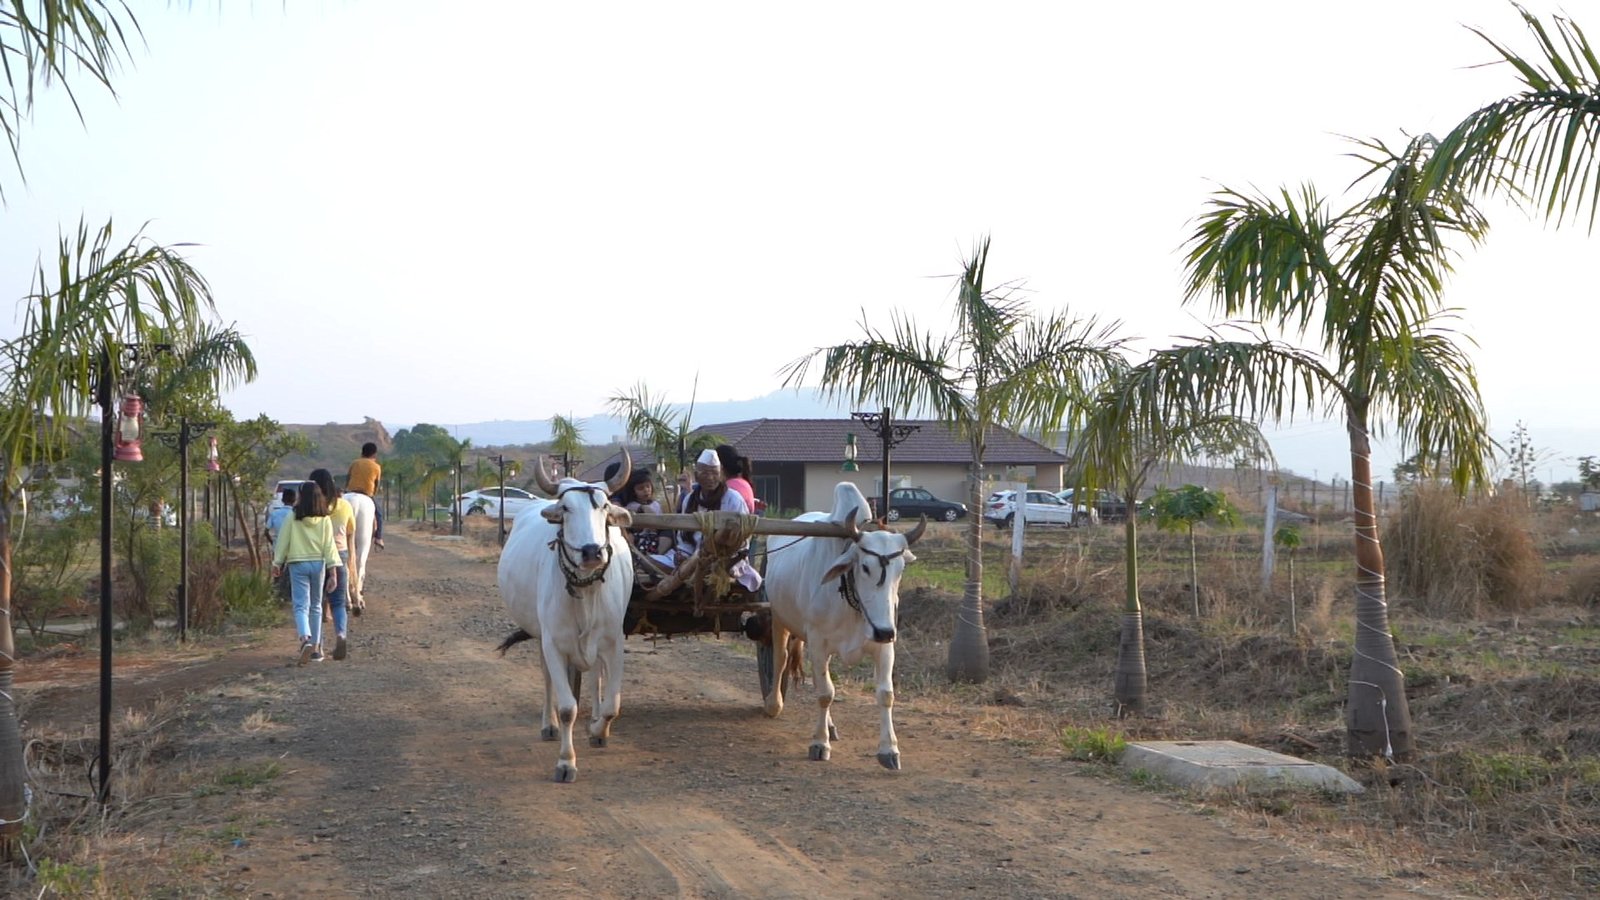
x=1001 y=367
x=653 y=422
x=1365 y=284
x=44 y=41
x=566 y=439
x=1542 y=143
x=102 y=297
x=1141 y=419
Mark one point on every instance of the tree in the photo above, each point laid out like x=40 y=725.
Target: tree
x=44 y=42
x=1524 y=459
x=1002 y=366
x=566 y=440
x=652 y=421
x=1539 y=144
x=1141 y=419
x=1365 y=284
x=1589 y=473
x=1288 y=537
x=1185 y=508
x=80 y=314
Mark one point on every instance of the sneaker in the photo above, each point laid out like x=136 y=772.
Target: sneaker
x=317 y=656
x=341 y=648
x=306 y=649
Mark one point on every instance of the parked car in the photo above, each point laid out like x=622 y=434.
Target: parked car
x=1044 y=508
x=486 y=502
x=911 y=503
x=1107 y=506
x=291 y=484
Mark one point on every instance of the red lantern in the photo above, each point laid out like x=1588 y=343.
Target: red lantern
x=213 y=462
x=126 y=437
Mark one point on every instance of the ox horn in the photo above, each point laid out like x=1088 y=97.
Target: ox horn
x=850 y=525
x=543 y=478
x=619 y=480
x=915 y=533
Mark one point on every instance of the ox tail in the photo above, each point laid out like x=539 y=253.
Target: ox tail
x=513 y=639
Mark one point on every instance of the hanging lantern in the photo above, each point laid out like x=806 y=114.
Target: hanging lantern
x=850 y=453
x=126 y=437
x=213 y=463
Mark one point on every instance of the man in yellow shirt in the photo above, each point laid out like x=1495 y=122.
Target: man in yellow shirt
x=365 y=474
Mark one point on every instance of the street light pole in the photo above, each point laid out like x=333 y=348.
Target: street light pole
x=105 y=391
x=179 y=440
x=455 y=527
x=889 y=434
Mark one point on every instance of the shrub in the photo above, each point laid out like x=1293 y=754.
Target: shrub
x=1093 y=744
x=1455 y=557
x=151 y=563
x=1583 y=582
x=248 y=599
x=50 y=568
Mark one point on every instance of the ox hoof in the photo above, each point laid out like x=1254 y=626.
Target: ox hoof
x=820 y=752
x=833 y=733
x=549 y=733
x=597 y=741
x=566 y=773
x=890 y=761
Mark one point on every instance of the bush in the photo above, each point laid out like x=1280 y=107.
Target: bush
x=1583 y=582
x=50 y=568
x=248 y=599
x=1456 y=557
x=151 y=564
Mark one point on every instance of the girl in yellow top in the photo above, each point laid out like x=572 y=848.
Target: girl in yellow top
x=304 y=548
x=343 y=517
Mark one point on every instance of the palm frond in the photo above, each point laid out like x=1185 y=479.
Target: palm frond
x=1544 y=139
x=1262 y=259
x=1431 y=394
x=43 y=42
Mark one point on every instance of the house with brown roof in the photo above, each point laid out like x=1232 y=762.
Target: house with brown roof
x=797 y=462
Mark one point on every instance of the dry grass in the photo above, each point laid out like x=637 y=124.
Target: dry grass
x=1454 y=557
x=1504 y=798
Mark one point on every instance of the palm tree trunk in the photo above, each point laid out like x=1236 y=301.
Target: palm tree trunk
x=968 y=659
x=1131 y=680
x=1377 y=715
x=13 y=804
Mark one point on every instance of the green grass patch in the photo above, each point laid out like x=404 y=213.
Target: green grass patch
x=242 y=778
x=1093 y=744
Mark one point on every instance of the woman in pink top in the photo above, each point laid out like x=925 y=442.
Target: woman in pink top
x=736 y=471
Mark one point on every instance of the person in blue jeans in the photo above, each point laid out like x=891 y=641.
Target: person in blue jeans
x=305 y=550
x=344 y=538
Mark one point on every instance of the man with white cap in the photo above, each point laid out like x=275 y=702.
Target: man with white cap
x=711 y=492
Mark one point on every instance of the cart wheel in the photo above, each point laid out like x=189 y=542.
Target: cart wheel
x=764 y=668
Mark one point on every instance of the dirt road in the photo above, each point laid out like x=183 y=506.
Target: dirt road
x=413 y=769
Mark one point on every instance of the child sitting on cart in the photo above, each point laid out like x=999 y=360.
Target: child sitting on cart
x=639 y=496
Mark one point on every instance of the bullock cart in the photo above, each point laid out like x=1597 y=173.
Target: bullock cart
x=699 y=597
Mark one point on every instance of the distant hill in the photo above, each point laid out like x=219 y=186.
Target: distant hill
x=333 y=446
x=603 y=429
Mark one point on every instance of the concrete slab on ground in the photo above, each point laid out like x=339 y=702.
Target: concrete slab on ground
x=1228 y=763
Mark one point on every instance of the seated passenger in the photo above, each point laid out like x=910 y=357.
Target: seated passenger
x=712 y=493
x=639 y=496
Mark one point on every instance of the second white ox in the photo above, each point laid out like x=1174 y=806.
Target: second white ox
x=841 y=596
x=566 y=575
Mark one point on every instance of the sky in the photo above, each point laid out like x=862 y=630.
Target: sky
x=516 y=210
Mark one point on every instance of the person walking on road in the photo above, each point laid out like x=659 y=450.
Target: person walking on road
x=343 y=518
x=365 y=475
x=305 y=550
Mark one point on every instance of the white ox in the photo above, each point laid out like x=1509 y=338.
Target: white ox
x=841 y=598
x=566 y=575
x=366 y=514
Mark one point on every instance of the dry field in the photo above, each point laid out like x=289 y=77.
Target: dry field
x=409 y=772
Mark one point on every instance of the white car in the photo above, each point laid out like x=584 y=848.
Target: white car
x=1044 y=508
x=486 y=502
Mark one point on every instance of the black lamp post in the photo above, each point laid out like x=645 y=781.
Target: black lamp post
x=119 y=439
x=499 y=461
x=890 y=434
x=179 y=441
